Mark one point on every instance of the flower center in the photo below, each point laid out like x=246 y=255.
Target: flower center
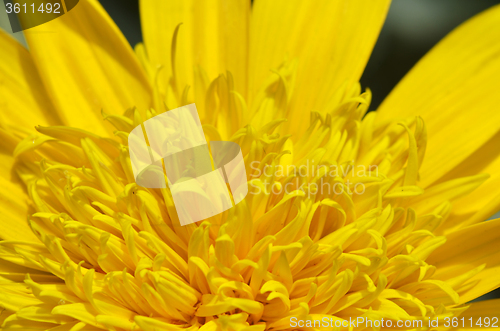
x=334 y=223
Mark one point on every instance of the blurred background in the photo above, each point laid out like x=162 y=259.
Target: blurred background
x=412 y=28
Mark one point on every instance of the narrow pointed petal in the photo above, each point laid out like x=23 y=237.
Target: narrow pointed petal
x=332 y=41
x=454 y=88
x=13 y=198
x=471 y=247
x=484 y=201
x=213 y=35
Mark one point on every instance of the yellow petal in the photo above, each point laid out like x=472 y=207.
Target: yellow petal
x=16 y=296
x=454 y=89
x=476 y=316
x=23 y=99
x=483 y=202
x=13 y=199
x=332 y=41
x=97 y=72
x=474 y=246
x=213 y=35
x=482 y=313
x=10 y=272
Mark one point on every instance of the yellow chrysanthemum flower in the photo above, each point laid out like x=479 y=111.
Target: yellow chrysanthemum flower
x=85 y=248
